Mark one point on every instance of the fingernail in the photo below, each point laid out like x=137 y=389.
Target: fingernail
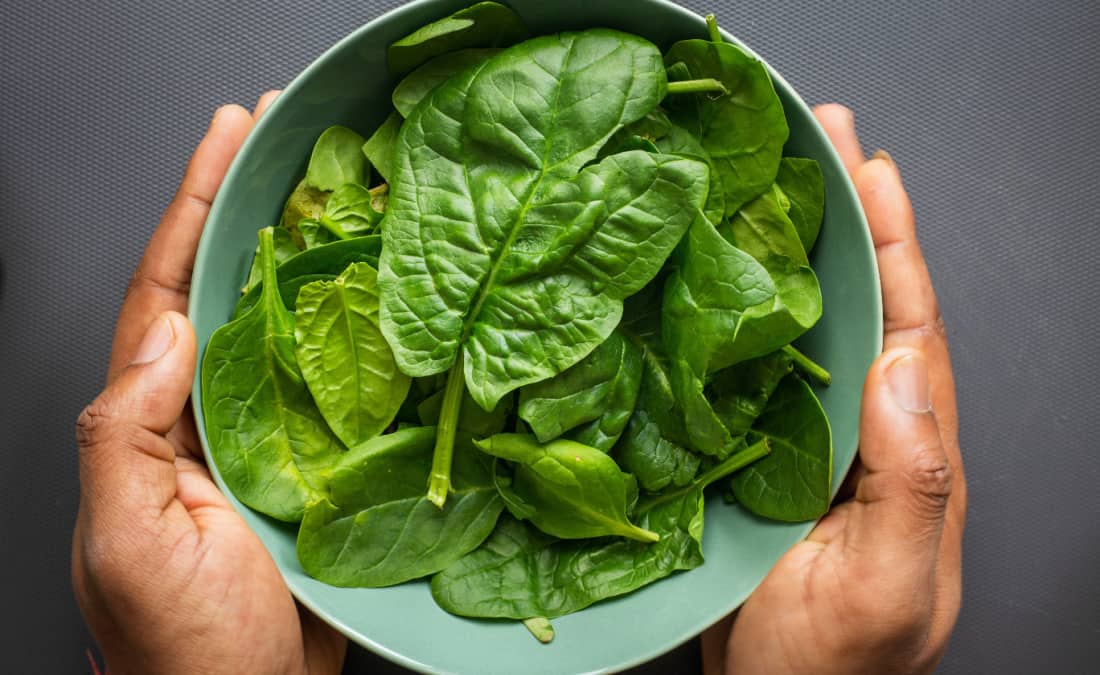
x=883 y=155
x=157 y=341
x=908 y=379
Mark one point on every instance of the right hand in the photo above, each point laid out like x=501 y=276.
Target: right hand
x=876 y=586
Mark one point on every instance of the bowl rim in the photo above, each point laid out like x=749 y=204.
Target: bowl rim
x=687 y=630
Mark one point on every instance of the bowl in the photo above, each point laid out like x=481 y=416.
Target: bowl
x=350 y=85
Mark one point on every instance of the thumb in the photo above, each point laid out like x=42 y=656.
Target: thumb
x=908 y=479
x=125 y=460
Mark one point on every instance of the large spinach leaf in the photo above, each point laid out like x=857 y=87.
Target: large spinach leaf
x=792 y=483
x=519 y=572
x=344 y=359
x=593 y=400
x=567 y=489
x=501 y=262
x=485 y=24
x=322 y=263
x=743 y=130
x=419 y=83
x=270 y=443
x=374 y=527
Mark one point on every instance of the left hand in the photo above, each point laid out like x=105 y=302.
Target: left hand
x=168 y=576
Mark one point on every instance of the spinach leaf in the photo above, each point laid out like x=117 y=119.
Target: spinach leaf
x=599 y=392
x=418 y=84
x=486 y=24
x=519 y=572
x=374 y=527
x=382 y=144
x=792 y=483
x=743 y=130
x=639 y=135
x=346 y=363
x=653 y=445
x=313 y=233
x=350 y=211
x=316 y=264
x=267 y=438
x=679 y=141
x=569 y=490
x=740 y=393
x=518 y=267
x=801 y=181
x=336 y=160
x=285 y=249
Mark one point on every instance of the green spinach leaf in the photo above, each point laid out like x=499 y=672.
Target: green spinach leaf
x=268 y=439
x=653 y=447
x=418 y=84
x=740 y=393
x=345 y=361
x=801 y=181
x=382 y=144
x=519 y=572
x=593 y=399
x=570 y=490
x=486 y=24
x=744 y=130
x=374 y=527
x=518 y=267
x=793 y=482
x=323 y=263
x=336 y=160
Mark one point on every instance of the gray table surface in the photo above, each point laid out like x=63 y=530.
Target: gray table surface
x=989 y=108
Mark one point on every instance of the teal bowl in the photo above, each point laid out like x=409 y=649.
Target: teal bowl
x=350 y=85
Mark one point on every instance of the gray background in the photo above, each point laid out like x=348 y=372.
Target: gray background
x=988 y=107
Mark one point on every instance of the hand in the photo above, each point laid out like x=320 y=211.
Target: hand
x=875 y=587
x=169 y=578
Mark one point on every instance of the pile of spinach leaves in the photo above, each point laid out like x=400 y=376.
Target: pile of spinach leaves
x=509 y=339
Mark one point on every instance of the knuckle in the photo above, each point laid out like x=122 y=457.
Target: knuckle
x=94 y=423
x=931 y=478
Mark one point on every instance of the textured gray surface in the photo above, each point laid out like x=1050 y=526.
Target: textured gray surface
x=988 y=108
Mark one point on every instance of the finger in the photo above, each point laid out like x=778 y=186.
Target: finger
x=127 y=466
x=905 y=492
x=713 y=645
x=325 y=648
x=163 y=277
x=840 y=126
x=911 y=313
x=908 y=300
x=264 y=102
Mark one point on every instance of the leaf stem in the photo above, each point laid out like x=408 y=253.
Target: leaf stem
x=808 y=366
x=737 y=460
x=335 y=229
x=705 y=85
x=540 y=627
x=712 y=29
x=439 y=484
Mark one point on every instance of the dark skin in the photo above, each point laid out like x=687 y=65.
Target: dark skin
x=171 y=580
